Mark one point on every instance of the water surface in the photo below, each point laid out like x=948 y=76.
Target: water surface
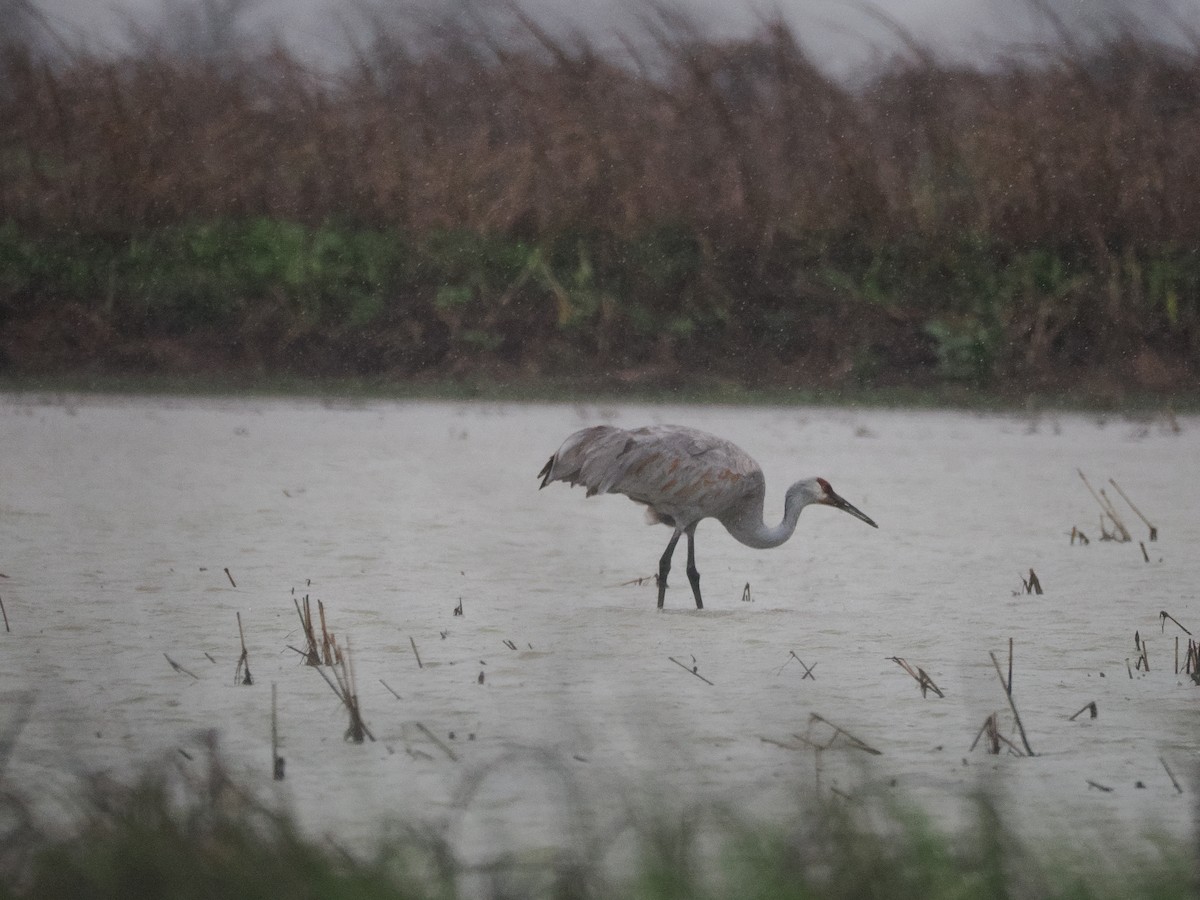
x=118 y=518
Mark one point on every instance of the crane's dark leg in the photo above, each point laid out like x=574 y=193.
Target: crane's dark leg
x=664 y=566
x=693 y=572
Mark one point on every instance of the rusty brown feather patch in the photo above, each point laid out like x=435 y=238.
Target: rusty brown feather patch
x=637 y=470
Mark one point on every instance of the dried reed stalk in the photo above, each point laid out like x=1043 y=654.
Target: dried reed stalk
x=343 y=685
x=692 y=669
x=1153 y=530
x=808 y=670
x=1012 y=704
x=277 y=761
x=1089 y=707
x=1107 y=509
x=441 y=745
x=838 y=733
x=920 y=675
x=178 y=668
x=1170 y=774
x=242 y=672
x=313 y=656
x=1163 y=616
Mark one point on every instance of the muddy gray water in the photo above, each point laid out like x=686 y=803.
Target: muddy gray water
x=118 y=518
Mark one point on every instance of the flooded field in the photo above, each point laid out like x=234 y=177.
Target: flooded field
x=560 y=698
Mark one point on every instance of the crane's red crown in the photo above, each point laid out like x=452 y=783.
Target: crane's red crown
x=825 y=485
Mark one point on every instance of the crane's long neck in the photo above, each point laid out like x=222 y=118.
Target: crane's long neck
x=748 y=526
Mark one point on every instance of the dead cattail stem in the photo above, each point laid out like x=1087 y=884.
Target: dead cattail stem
x=1031 y=585
x=1170 y=774
x=243 y=665
x=692 y=669
x=1089 y=707
x=437 y=741
x=1153 y=530
x=313 y=656
x=991 y=727
x=1012 y=704
x=342 y=686
x=415 y=653
x=808 y=670
x=1008 y=683
x=920 y=675
x=178 y=668
x=357 y=727
x=645 y=579
x=1107 y=509
x=1112 y=514
x=329 y=648
x=4 y=612
x=277 y=763
x=1164 y=615
x=839 y=732
x=230 y=577
x=1143 y=660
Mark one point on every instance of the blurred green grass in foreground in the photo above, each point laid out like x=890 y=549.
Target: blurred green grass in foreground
x=204 y=835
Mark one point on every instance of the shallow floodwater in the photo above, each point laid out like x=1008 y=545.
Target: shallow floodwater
x=555 y=690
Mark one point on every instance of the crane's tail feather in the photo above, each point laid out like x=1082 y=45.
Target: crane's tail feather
x=585 y=458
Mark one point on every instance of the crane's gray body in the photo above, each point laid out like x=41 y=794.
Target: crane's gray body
x=682 y=475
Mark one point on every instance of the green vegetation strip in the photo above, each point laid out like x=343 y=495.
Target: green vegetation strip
x=272 y=298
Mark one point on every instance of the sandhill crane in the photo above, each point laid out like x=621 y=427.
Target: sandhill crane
x=682 y=475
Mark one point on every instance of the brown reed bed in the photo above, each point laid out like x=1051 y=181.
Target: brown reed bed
x=746 y=138
x=467 y=195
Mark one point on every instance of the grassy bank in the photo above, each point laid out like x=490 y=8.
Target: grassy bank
x=176 y=834
x=271 y=298
x=482 y=200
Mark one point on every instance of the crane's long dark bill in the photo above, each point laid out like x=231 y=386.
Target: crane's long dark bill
x=838 y=503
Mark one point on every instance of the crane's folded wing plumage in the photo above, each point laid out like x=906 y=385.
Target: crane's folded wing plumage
x=680 y=473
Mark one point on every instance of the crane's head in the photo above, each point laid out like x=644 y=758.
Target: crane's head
x=826 y=495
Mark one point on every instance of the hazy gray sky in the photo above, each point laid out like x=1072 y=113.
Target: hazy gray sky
x=838 y=32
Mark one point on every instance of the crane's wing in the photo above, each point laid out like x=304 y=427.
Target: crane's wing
x=682 y=474
x=593 y=457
